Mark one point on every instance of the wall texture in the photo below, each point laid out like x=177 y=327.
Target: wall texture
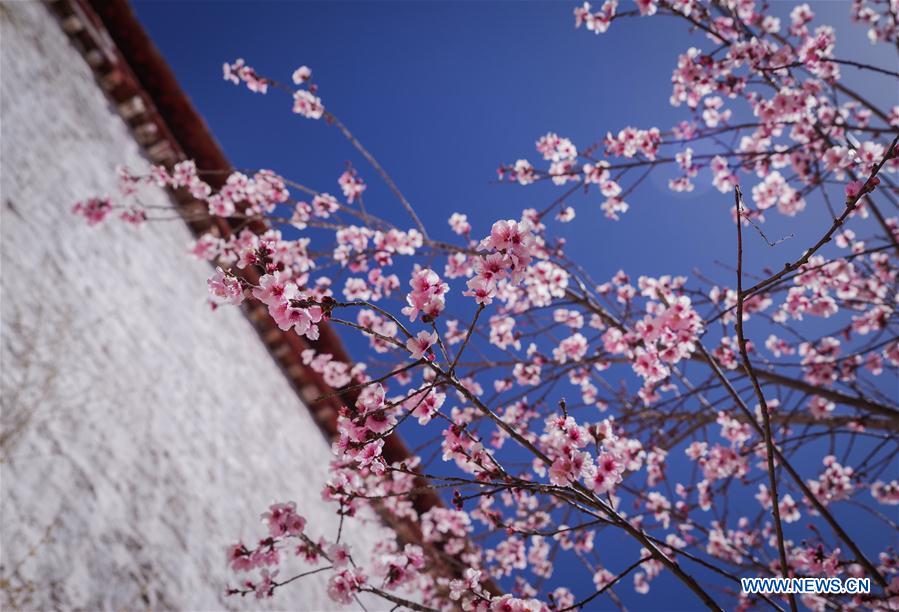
x=141 y=431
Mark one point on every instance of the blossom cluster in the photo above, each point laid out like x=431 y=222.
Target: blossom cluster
x=305 y=101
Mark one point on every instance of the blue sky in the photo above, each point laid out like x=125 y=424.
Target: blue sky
x=444 y=92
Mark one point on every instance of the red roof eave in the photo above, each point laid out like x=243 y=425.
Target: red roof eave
x=135 y=76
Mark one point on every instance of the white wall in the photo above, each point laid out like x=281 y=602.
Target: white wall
x=141 y=431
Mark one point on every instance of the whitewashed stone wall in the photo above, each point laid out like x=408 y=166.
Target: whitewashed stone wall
x=141 y=432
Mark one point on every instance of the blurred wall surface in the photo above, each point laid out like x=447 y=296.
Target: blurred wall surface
x=141 y=431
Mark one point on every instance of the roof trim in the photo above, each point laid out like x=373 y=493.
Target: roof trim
x=137 y=79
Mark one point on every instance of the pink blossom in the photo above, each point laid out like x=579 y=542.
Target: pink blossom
x=226 y=287
x=420 y=344
x=307 y=104
x=524 y=172
x=572 y=348
x=820 y=407
x=351 y=185
x=606 y=473
x=94 y=210
x=239 y=71
x=282 y=519
x=789 y=510
x=301 y=75
x=427 y=295
x=853 y=189
x=886 y=492
x=596 y=22
x=459 y=223
x=371 y=452
x=266 y=586
x=240 y=558
x=344 y=584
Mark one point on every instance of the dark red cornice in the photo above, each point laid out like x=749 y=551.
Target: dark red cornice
x=135 y=76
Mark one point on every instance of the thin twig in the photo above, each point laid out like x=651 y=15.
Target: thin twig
x=766 y=419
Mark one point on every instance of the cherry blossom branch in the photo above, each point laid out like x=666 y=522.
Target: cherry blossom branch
x=858 y=65
x=400 y=601
x=465 y=342
x=379 y=169
x=851 y=205
x=591 y=498
x=625 y=572
x=812 y=498
x=766 y=419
